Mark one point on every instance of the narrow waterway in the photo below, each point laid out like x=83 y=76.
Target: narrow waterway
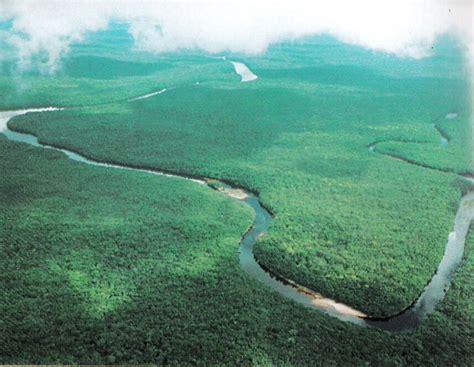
x=145 y=96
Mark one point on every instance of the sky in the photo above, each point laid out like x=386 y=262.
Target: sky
x=406 y=28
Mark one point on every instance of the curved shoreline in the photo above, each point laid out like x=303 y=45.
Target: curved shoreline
x=407 y=319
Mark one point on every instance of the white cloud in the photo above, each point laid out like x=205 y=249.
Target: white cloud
x=403 y=27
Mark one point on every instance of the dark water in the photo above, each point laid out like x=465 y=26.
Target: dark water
x=408 y=319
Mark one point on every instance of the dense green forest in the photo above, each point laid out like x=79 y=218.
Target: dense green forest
x=349 y=223
x=111 y=266
x=146 y=270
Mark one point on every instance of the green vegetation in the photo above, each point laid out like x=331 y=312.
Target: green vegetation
x=108 y=82
x=455 y=157
x=133 y=275
x=114 y=266
x=349 y=223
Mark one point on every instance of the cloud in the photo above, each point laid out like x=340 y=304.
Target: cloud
x=44 y=30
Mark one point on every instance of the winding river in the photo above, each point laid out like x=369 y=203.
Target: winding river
x=407 y=319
